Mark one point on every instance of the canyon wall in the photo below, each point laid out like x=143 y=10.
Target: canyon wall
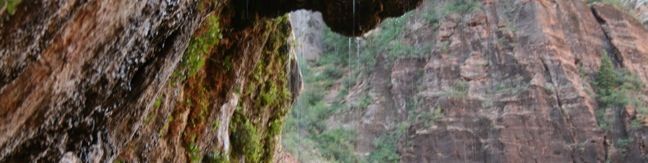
x=154 y=80
x=489 y=81
x=118 y=80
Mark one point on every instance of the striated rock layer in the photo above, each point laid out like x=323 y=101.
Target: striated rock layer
x=528 y=66
x=151 y=80
x=511 y=81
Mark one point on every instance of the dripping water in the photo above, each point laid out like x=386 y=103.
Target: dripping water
x=350 y=60
x=357 y=42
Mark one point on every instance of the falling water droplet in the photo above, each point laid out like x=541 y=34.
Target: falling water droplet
x=357 y=42
x=349 y=54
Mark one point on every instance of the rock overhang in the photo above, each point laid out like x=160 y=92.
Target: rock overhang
x=346 y=17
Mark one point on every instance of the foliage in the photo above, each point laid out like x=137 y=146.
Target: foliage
x=9 y=6
x=199 y=49
x=462 y=6
x=458 y=89
x=163 y=131
x=614 y=88
x=642 y=114
x=158 y=102
x=217 y=157
x=390 y=42
x=246 y=140
x=342 y=63
x=387 y=145
x=339 y=145
x=623 y=143
x=194 y=153
x=311 y=111
x=427 y=118
x=431 y=16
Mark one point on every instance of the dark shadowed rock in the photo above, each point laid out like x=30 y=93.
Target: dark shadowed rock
x=347 y=17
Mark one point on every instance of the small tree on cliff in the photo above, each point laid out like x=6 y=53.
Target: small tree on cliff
x=607 y=82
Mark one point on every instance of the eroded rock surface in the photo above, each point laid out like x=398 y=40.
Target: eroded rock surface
x=510 y=81
x=348 y=17
x=152 y=80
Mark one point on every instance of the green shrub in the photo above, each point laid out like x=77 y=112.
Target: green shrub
x=458 y=89
x=431 y=16
x=386 y=146
x=462 y=6
x=337 y=144
x=386 y=149
x=612 y=86
x=641 y=111
x=623 y=143
x=613 y=89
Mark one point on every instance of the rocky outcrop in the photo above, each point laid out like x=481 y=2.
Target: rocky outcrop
x=347 y=17
x=150 y=81
x=508 y=81
x=529 y=69
x=639 y=9
x=309 y=27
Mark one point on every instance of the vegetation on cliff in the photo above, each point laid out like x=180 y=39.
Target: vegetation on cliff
x=478 y=83
x=8 y=6
x=345 y=66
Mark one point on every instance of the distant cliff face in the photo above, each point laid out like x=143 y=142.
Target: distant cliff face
x=149 y=81
x=639 y=9
x=491 y=81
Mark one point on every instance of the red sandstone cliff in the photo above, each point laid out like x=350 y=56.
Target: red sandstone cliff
x=507 y=81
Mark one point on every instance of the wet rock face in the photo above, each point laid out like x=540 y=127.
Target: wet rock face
x=108 y=80
x=347 y=17
x=77 y=76
x=154 y=80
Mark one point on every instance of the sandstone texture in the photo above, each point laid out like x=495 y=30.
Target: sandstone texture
x=151 y=80
x=508 y=81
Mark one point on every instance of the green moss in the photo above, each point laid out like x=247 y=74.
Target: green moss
x=246 y=140
x=203 y=104
x=194 y=153
x=163 y=131
x=273 y=96
x=217 y=157
x=10 y=6
x=265 y=94
x=215 y=125
x=271 y=139
x=158 y=102
x=153 y=113
x=199 y=48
